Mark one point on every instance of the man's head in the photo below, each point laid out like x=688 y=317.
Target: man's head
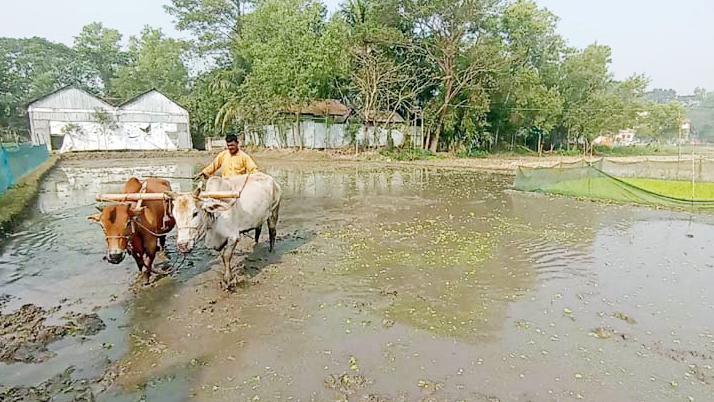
x=232 y=143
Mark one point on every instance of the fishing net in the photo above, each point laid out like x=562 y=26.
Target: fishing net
x=18 y=160
x=682 y=184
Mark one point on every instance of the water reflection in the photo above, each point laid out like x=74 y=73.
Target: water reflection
x=71 y=186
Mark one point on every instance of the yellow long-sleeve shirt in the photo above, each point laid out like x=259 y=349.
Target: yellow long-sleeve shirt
x=231 y=165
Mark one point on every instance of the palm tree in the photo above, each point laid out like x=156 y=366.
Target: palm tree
x=355 y=12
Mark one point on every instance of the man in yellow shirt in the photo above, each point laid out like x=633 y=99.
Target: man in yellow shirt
x=232 y=161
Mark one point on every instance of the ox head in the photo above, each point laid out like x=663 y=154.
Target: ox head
x=190 y=218
x=116 y=220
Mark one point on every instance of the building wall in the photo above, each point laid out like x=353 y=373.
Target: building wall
x=75 y=107
x=318 y=135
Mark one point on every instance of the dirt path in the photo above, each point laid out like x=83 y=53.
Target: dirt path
x=498 y=163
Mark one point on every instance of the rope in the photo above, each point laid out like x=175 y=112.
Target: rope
x=149 y=230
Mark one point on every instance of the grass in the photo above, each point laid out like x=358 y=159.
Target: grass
x=410 y=154
x=675 y=188
x=14 y=201
x=475 y=153
x=606 y=188
x=634 y=150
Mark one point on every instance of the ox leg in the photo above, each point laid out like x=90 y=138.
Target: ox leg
x=162 y=243
x=226 y=256
x=139 y=260
x=149 y=255
x=272 y=225
x=257 y=233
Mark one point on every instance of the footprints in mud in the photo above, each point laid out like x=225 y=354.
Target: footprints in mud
x=24 y=336
x=60 y=387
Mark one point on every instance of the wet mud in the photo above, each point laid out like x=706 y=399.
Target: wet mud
x=387 y=284
x=24 y=334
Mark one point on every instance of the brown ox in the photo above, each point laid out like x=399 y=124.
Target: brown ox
x=142 y=231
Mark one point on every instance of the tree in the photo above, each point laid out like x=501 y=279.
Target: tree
x=215 y=23
x=663 y=120
x=294 y=57
x=101 y=49
x=209 y=92
x=447 y=31
x=585 y=77
x=30 y=68
x=659 y=95
x=527 y=93
x=155 y=63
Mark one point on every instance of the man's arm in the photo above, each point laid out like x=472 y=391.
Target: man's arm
x=250 y=165
x=213 y=166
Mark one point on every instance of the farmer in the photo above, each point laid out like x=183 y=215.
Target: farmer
x=232 y=161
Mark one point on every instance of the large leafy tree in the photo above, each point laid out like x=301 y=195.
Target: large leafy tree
x=527 y=94
x=214 y=23
x=30 y=68
x=451 y=34
x=100 y=48
x=294 y=56
x=155 y=63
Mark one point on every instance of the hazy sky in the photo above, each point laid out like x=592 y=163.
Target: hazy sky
x=669 y=41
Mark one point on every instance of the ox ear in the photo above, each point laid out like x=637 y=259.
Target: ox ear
x=94 y=218
x=215 y=205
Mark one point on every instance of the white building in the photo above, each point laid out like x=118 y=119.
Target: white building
x=71 y=119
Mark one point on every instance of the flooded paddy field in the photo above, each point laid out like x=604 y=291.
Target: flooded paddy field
x=387 y=284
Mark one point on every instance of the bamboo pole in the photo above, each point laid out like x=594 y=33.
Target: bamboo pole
x=161 y=196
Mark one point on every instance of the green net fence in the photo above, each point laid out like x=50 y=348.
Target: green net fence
x=682 y=184
x=18 y=160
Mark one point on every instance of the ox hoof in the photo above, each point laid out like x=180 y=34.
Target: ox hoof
x=160 y=258
x=161 y=272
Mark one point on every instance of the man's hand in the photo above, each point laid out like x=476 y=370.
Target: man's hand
x=199 y=176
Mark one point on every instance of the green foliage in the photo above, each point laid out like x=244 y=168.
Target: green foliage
x=566 y=152
x=294 y=57
x=410 y=154
x=214 y=23
x=633 y=150
x=702 y=117
x=155 y=63
x=32 y=68
x=476 y=153
x=101 y=49
x=484 y=75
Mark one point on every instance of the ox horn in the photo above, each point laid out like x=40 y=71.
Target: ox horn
x=197 y=191
x=100 y=208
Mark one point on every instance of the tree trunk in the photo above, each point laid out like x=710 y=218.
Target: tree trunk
x=540 y=145
x=498 y=127
x=448 y=88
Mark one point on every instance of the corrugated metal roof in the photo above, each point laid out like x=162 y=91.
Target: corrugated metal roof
x=326 y=107
x=380 y=116
x=70 y=97
x=152 y=101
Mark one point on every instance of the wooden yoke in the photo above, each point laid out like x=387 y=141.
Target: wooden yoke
x=161 y=196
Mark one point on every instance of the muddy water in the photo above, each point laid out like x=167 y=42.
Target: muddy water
x=387 y=284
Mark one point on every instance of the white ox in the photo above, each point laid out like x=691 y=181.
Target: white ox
x=222 y=221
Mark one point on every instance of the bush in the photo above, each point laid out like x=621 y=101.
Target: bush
x=631 y=150
x=474 y=153
x=572 y=152
x=409 y=154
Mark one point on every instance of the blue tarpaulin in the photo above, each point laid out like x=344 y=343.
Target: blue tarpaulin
x=17 y=161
